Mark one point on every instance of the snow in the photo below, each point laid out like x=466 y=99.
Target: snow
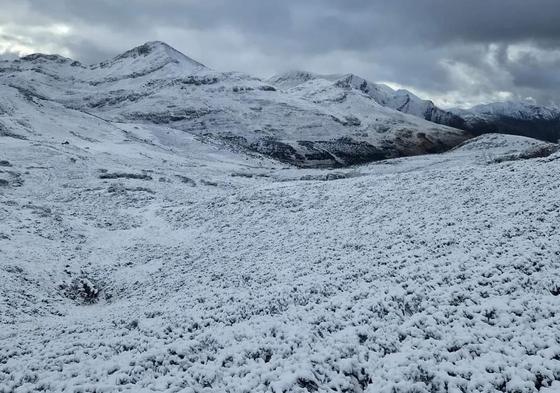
x=516 y=109
x=139 y=257
x=148 y=58
x=520 y=118
x=154 y=83
x=401 y=100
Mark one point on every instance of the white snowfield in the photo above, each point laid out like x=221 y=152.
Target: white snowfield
x=137 y=257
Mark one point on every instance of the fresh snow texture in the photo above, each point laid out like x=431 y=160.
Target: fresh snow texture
x=137 y=257
x=130 y=266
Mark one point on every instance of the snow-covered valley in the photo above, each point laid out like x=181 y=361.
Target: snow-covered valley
x=140 y=255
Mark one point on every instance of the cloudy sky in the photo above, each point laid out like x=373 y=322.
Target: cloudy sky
x=456 y=52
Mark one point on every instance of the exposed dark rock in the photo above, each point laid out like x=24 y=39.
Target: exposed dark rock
x=7 y=133
x=121 y=175
x=352 y=121
x=329 y=176
x=344 y=151
x=169 y=117
x=278 y=150
x=44 y=57
x=208 y=183
x=114 y=99
x=186 y=180
x=240 y=89
x=537 y=152
x=199 y=80
x=120 y=189
x=242 y=174
x=28 y=94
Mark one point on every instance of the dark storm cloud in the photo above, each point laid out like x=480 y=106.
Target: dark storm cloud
x=456 y=51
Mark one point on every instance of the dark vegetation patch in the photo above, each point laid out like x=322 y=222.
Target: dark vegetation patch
x=82 y=290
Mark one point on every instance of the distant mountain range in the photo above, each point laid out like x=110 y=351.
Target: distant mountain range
x=517 y=118
x=297 y=117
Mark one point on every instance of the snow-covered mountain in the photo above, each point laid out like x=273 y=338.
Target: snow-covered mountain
x=516 y=109
x=142 y=248
x=156 y=84
x=401 y=100
x=150 y=58
x=515 y=118
x=297 y=117
x=519 y=118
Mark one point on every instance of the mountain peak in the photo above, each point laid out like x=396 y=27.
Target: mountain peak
x=149 y=58
x=145 y=49
x=46 y=58
x=158 y=49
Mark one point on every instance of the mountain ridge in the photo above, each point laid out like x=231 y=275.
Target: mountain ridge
x=298 y=117
x=154 y=83
x=515 y=118
x=401 y=100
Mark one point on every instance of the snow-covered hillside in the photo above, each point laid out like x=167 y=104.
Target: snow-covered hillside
x=518 y=110
x=519 y=118
x=137 y=258
x=516 y=118
x=401 y=100
x=156 y=84
x=140 y=253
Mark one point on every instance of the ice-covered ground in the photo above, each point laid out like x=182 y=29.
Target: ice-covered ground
x=136 y=258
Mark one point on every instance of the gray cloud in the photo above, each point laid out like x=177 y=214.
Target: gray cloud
x=458 y=52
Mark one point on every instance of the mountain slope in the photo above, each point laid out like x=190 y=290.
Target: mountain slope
x=147 y=59
x=401 y=100
x=141 y=259
x=155 y=84
x=516 y=118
